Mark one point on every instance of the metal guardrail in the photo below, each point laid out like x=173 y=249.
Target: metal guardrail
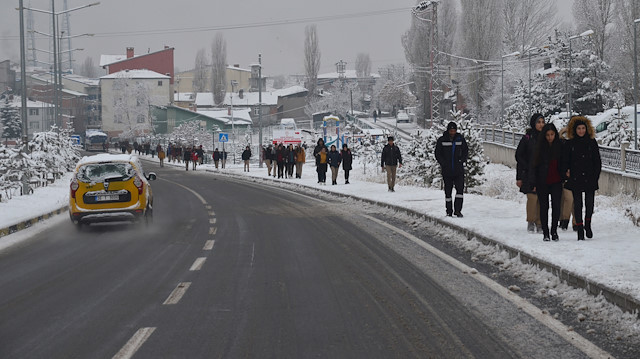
x=619 y=159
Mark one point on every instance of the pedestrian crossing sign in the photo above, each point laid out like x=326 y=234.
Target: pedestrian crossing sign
x=223 y=137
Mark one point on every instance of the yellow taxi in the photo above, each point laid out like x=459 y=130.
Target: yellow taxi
x=108 y=187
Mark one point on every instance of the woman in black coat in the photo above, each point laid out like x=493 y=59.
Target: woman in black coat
x=524 y=159
x=546 y=177
x=583 y=165
x=347 y=160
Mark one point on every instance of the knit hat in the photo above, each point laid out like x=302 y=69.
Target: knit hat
x=452 y=125
x=534 y=119
x=390 y=138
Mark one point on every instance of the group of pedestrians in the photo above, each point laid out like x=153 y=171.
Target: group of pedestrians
x=282 y=160
x=332 y=159
x=556 y=172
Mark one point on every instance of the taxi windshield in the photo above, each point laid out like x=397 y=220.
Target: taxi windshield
x=99 y=172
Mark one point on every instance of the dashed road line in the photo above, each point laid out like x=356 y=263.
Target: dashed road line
x=213 y=230
x=197 y=265
x=136 y=341
x=211 y=213
x=177 y=293
x=212 y=221
x=208 y=245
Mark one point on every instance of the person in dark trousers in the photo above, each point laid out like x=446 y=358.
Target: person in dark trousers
x=347 y=160
x=452 y=153
x=281 y=158
x=186 y=156
x=546 y=178
x=390 y=161
x=291 y=160
x=216 y=157
x=246 y=157
x=334 y=163
x=267 y=159
x=321 y=165
x=200 y=152
x=524 y=158
x=194 y=157
x=583 y=165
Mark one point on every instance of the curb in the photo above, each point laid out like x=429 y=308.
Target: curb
x=30 y=222
x=620 y=299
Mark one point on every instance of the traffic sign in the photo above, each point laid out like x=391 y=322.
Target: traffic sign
x=223 y=137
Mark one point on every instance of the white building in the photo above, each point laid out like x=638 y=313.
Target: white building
x=128 y=97
x=39 y=114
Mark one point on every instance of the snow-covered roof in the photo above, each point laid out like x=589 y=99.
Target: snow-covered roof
x=136 y=74
x=238 y=68
x=240 y=116
x=349 y=74
x=92 y=133
x=82 y=79
x=251 y=99
x=17 y=102
x=549 y=71
x=107 y=157
x=290 y=91
x=74 y=93
x=184 y=96
x=204 y=99
x=110 y=59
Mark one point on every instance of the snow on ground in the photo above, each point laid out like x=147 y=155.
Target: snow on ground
x=610 y=258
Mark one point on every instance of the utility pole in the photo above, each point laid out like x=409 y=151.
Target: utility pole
x=23 y=82
x=260 y=107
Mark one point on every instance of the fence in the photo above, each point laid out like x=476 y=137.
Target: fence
x=617 y=159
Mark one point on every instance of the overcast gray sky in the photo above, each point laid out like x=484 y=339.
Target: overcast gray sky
x=369 y=26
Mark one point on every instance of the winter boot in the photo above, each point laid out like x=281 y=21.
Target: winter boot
x=545 y=236
x=531 y=227
x=587 y=228
x=580 y=230
x=564 y=224
x=554 y=235
x=458 y=214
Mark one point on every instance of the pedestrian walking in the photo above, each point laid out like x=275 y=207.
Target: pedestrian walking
x=216 y=157
x=566 y=200
x=281 y=158
x=452 y=153
x=321 y=165
x=545 y=176
x=200 y=152
x=583 y=165
x=274 y=160
x=246 y=157
x=194 y=157
x=334 y=163
x=290 y=160
x=301 y=158
x=266 y=155
x=161 y=155
x=524 y=158
x=375 y=116
x=186 y=155
x=223 y=157
x=347 y=161
x=391 y=160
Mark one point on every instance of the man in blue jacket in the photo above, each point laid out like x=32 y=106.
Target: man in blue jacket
x=452 y=152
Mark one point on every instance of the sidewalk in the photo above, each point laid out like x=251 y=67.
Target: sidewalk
x=610 y=262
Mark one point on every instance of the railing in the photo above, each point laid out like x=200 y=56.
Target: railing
x=619 y=159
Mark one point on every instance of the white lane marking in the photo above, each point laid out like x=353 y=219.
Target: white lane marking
x=572 y=337
x=188 y=189
x=208 y=245
x=207 y=206
x=177 y=293
x=212 y=220
x=213 y=230
x=197 y=264
x=136 y=341
x=253 y=254
x=212 y=213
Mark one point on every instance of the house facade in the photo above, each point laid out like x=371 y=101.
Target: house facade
x=158 y=61
x=129 y=98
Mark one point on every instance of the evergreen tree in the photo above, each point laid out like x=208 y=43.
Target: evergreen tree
x=474 y=168
x=618 y=131
x=10 y=119
x=420 y=165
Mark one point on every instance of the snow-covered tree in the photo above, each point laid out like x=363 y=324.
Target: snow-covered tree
x=133 y=104
x=420 y=165
x=474 y=168
x=596 y=15
x=200 y=72
x=311 y=58
x=219 y=68
x=192 y=134
x=10 y=120
x=336 y=100
x=618 y=131
x=593 y=85
x=527 y=23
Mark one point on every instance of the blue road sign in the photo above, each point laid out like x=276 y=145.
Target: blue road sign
x=223 y=137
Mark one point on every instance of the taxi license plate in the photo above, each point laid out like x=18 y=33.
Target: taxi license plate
x=107 y=197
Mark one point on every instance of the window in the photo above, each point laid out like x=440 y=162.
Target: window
x=159 y=83
x=141 y=118
x=34 y=125
x=34 y=111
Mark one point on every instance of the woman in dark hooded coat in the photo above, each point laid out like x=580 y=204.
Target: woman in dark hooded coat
x=524 y=158
x=546 y=177
x=582 y=163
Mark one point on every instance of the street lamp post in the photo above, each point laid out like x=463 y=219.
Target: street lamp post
x=586 y=33
x=529 y=93
x=23 y=82
x=517 y=53
x=233 y=130
x=260 y=106
x=635 y=84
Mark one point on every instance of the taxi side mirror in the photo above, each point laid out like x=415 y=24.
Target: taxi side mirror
x=152 y=176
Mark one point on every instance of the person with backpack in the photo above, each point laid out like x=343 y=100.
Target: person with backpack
x=246 y=157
